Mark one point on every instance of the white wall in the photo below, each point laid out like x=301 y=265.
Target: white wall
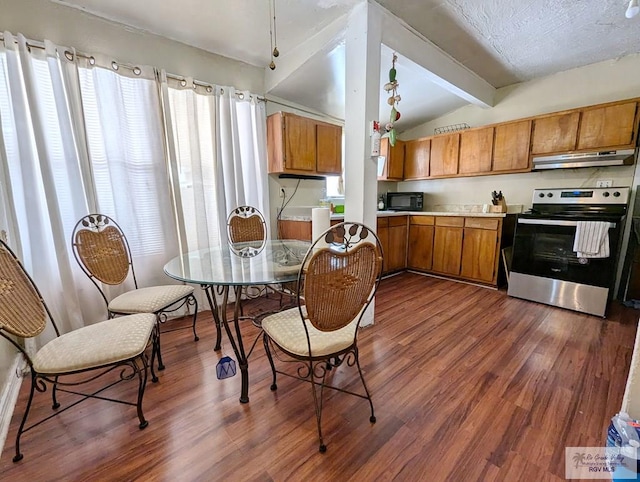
x=597 y=83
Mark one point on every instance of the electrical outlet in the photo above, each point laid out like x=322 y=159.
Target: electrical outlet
x=604 y=183
x=282 y=193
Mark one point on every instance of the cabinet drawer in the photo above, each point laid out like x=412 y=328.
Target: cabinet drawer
x=397 y=221
x=383 y=223
x=451 y=221
x=481 y=223
x=422 y=220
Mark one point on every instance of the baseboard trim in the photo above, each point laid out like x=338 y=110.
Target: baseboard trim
x=8 y=399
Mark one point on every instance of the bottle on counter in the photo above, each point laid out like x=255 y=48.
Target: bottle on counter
x=381 y=203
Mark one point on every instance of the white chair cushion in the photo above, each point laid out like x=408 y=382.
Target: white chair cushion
x=285 y=328
x=96 y=345
x=149 y=300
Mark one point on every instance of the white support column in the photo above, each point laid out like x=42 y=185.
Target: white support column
x=362 y=93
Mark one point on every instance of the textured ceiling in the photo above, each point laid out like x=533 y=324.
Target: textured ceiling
x=502 y=41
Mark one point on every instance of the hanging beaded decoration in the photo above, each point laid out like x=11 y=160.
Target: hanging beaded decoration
x=391 y=88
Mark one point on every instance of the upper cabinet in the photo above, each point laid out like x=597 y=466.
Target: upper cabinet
x=476 y=149
x=416 y=159
x=299 y=145
x=599 y=127
x=444 y=155
x=608 y=126
x=392 y=159
x=555 y=133
x=511 y=146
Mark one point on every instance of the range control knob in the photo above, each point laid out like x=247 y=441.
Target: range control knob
x=606 y=194
x=616 y=194
x=541 y=194
x=549 y=194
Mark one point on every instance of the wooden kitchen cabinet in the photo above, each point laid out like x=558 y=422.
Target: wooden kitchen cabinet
x=511 y=146
x=608 y=126
x=420 y=248
x=299 y=145
x=444 y=155
x=480 y=249
x=290 y=229
x=416 y=159
x=555 y=133
x=447 y=245
x=476 y=150
x=392 y=232
x=393 y=159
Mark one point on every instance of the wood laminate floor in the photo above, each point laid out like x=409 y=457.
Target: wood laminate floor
x=468 y=384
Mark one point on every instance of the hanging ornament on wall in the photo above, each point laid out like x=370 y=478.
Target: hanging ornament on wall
x=273 y=33
x=391 y=88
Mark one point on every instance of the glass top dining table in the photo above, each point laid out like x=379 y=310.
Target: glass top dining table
x=238 y=266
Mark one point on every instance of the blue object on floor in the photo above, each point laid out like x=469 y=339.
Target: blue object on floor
x=225 y=368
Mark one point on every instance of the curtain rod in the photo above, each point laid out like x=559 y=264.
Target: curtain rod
x=69 y=55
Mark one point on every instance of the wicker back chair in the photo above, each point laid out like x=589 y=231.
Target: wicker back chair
x=102 y=251
x=337 y=282
x=246 y=223
x=116 y=346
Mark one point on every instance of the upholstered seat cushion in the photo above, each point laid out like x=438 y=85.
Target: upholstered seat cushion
x=96 y=345
x=149 y=300
x=286 y=329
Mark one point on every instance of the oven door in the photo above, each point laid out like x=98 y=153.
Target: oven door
x=544 y=247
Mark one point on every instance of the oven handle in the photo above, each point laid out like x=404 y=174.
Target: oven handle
x=554 y=222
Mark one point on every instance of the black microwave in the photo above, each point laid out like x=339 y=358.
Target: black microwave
x=404 y=201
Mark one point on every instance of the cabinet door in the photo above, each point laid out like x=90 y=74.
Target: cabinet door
x=444 y=155
x=609 y=126
x=479 y=254
x=397 y=252
x=329 y=149
x=420 y=251
x=476 y=149
x=447 y=245
x=300 y=143
x=511 y=146
x=288 y=229
x=416 y=159
x=393 y=168
x=383 y=234
x=556 y=133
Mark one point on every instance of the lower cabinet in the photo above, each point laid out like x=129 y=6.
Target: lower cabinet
x=447 y=245
x=461 y=247
x=480 y=249
x=392 y=232
x=420 y=249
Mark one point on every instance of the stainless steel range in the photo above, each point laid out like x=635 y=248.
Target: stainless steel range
x=545 y=267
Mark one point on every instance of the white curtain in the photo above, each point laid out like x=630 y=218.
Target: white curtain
x=217 y=153
x=40 y=180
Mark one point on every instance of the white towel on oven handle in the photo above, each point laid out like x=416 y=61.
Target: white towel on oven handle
x=592 y=239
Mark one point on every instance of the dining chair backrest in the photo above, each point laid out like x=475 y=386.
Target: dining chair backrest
x=246 y=223
x=22 y=310
x=340 y=276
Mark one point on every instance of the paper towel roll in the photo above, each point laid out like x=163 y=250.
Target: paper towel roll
x=320 y=221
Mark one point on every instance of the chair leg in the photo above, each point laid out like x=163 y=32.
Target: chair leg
x=372 y=419
x=195 y=317
x=54 y=401
x=317 y=402
x=154 y=350
x=18 y=457
x=159 y=351
x=142 y=378
x=265 y=340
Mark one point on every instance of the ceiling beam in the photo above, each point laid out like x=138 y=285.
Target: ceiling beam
x=443 y=69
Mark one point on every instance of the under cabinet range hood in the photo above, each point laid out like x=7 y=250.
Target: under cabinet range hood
x=623 y=157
